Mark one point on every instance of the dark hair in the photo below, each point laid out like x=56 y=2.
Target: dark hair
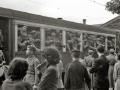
x=32 y=48
x=18 y=68
x=76 y=54
x=101 y=49
x=51 y=54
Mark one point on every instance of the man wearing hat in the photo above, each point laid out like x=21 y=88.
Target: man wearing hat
x=112 y=61
x=100 y=70
x=76 y=74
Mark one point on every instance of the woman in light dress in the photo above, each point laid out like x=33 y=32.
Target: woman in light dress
x=116 y=74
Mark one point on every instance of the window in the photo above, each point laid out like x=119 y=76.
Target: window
x=111 y=42
x=53 y=38
x=28 y=35
x=72 y=40
x=91 y=41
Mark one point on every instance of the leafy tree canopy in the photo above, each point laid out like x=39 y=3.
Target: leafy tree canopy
x=113 y=6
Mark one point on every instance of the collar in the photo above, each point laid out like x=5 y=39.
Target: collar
x=29 y=58
x=100 y=54
x=74 y=59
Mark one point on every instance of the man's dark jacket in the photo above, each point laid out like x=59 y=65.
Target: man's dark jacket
x=100 y=70
x=75 y=75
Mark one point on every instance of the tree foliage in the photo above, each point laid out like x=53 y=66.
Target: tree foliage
x=113 y=6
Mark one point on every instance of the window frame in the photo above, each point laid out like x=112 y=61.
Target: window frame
x=43 y=26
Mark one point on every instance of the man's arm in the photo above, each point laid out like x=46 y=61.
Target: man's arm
x=94 y=67
x=87 y=79
x=49 y=75
x=115 y=72
x=67 y=77
x=110 y=75
x=36 y=62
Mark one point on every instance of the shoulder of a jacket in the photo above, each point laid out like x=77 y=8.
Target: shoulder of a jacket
x=25 y=84
x=52 y=67
x=97 y=59
x=6 y=81
x=69 y=64
x=117 y=63
x=36 y=59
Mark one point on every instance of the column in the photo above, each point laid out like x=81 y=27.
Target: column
x=81 y=42
x=16 y=38
x=64 y=40
x=115 y=44
x=42 y=30
x=106 y=43
x=95 y=45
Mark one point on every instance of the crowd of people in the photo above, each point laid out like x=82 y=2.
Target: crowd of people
x=102 y=73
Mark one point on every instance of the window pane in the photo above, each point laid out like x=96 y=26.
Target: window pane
x=28 y=35
x=89 y=41
x=73 y=40
x=100 y=40
x=54 y=38
x=111 y=42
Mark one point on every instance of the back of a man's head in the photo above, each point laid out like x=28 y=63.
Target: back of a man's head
x=75 y=54
x=100 y=49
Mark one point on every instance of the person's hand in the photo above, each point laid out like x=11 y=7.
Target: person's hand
x=3 y=62
x=110 y=88
x=34 y=87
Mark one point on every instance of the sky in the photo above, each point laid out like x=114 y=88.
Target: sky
x=71 y=10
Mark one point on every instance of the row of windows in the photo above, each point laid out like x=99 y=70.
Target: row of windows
x=32 y=35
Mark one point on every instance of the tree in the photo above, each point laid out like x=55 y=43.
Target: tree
x=113 y=6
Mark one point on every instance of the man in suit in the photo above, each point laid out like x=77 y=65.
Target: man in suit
x=100 y=70
x=76 y=74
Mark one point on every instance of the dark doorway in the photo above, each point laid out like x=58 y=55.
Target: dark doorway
x=4 y=38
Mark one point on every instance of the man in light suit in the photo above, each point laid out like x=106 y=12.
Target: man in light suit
x=100 y=70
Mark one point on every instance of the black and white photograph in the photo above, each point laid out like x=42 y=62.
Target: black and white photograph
x=59 y=44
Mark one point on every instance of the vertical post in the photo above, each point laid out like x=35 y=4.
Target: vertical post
x=94 y=45
x=64 y=40
x=81 y=42
x=106 y=43
x=42 y=30
x=16 y=38
x=12 y=39
x=9 y=42
x=115 y=44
